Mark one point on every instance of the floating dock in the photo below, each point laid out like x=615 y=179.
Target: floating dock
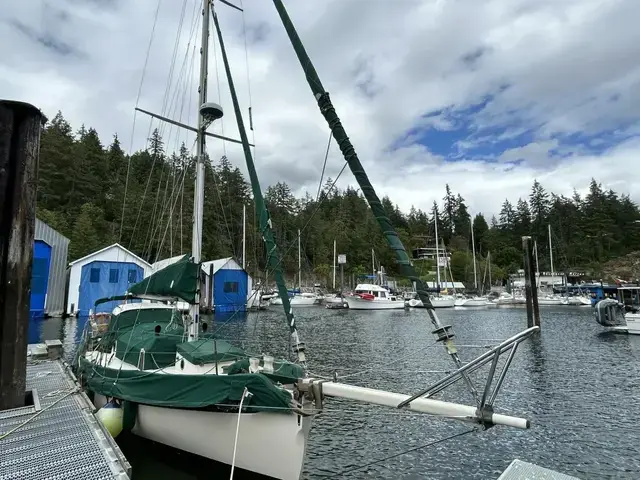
x=519 y=470
x=57 y=436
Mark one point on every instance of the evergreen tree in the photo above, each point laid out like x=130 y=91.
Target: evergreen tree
x=448 y=213
x=480 y=229
x=507 y=216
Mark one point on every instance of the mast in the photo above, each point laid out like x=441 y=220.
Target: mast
x=435 y=214
x=273 y=258
x=489 y=261
x=198 y=198
x=244 y=236
x=334 y=263
x=373 y=264
x=442 y=333
x=535 y=249
x=473 y=247
x=551 y=257
x=299 y=263
x=444 y=270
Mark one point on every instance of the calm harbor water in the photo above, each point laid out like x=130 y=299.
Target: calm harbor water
x=580 y=388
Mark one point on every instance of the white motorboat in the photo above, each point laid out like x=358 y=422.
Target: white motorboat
x=621 y=315
x=373 y=297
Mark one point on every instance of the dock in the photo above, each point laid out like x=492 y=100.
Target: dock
x=57 y=435
x=519 y=470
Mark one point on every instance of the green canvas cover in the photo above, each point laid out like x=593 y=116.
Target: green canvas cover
x=160 y=350
x=283 y=372
x=123 y=322
x=206 y=350
x=184 y=391
x=178 y=280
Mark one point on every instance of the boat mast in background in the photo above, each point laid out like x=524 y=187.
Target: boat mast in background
x=473 y=247
x=435 y=214
x=551 y=257
x=244 y=236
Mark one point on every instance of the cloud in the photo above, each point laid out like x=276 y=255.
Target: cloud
x=484 y=96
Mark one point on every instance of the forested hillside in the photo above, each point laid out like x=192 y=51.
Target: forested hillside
x=82 y=184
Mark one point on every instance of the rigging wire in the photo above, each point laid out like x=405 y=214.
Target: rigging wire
x=133 y=127
x=324 y=165
x=160 y=133
x=403 y=452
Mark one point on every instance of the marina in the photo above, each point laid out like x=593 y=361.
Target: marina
x=135 y=343
x=562 y=394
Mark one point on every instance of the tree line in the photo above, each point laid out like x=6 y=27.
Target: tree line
x=97 y=195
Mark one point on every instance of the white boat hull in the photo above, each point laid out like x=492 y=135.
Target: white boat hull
x=357 y=303
x=549 y=301
x=632 y=326
x=472 y=302
x=271 y=444
x=299 y=301
x=437 y=302
x=579 y=301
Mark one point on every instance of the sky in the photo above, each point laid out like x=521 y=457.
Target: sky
x=483 y=96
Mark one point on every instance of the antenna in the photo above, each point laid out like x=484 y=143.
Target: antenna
x=210 y=113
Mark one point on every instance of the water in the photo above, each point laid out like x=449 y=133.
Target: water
x=578 y=386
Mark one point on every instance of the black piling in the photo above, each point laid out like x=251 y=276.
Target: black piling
x=531 y=290
x=20 y=125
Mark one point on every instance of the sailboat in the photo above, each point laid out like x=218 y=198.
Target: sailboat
x=545 y=298
x=300 y=298
x=475 y=301
x=438 y=301
x=181 y=386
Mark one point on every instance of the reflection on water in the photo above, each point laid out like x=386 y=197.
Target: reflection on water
x=578 y=386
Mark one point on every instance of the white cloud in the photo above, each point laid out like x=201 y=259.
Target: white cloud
x=553 y=66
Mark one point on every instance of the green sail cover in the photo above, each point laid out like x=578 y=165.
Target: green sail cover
x=184 y=391
x=208 y=350
x=178 y=280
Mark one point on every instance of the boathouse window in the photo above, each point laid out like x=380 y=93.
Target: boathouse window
x=133 y=276
x=94 y=276
x=230 y=287
x=113 y=275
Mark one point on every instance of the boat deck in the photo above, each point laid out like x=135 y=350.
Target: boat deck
x=519 y=470
x=57 y=437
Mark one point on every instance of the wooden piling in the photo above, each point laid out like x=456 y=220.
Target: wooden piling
x=20 y=125
x=531 y=290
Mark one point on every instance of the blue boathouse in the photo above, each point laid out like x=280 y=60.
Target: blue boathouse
x=48 y=273
x=101 y=274
x=228 y=285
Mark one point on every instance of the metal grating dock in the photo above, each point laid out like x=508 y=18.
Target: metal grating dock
x=64 y=440
x=519 y=470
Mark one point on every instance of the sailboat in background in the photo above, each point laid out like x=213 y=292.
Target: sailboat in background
x=300 y=298
x=475 y=301
x=438 y=301
x=181 y=386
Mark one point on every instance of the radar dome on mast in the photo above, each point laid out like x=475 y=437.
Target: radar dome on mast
x=210 y=112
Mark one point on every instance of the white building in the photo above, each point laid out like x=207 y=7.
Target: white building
x=105 y=273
